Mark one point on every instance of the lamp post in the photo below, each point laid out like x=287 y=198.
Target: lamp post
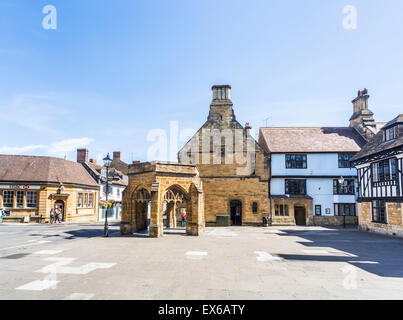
x=107 y=163
x=341 y=182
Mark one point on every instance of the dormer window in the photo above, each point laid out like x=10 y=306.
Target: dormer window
x=393 y=132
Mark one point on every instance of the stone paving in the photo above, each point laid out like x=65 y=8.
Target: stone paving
x=76 y=262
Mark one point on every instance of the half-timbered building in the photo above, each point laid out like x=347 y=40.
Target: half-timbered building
x=380 y=180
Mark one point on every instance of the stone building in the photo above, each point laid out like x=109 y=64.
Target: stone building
x=233 y=167
x=151 y=184
x=380 y=179
x=222 y=178
x=31 y=186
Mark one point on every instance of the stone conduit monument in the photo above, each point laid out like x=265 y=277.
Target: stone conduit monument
x=222 y=182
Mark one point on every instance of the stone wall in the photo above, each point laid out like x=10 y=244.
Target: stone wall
x=394 y=224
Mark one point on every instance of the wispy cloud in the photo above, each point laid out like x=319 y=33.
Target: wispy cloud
x=38 y=112
x=58 y=148
x=20 y=150
x=66 y=146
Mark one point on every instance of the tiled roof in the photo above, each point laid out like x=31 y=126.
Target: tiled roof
x=377 y=145
x=120 y=165
x=310 y=139
x=116 y=174
x=398 y=119
x=44 y=170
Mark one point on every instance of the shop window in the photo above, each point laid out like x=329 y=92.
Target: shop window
x=80 y=200
x=31 y=199
x=8 y=198
x=19 y=199
x=90 y=200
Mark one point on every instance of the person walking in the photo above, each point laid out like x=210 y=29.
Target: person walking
x=58 y=215
x=183 y=214
x=2 y=214
x=52 y=216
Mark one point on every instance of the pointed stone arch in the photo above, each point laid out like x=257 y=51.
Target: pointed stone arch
x=174 y=196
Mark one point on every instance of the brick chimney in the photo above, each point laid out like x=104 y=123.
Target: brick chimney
x=82 y=155
x=93 y=161
x=117 y=155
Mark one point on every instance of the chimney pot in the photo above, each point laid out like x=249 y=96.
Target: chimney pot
x=136 y=162
x=93 y=161
x=221 y=92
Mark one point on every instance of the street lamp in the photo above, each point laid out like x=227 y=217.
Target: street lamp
x=107 y=163
x=341 y=182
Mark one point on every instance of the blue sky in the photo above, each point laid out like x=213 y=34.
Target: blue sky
x=113 y=71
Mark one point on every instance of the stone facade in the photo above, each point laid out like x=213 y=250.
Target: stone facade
x=153 y=183
x=394 y=217
x=233 y=167
x=301 y=204
x=47 y=197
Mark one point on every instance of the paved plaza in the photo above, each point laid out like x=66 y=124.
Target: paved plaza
x=76 y=262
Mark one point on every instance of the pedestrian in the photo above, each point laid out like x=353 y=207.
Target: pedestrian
x=52 y=216
x=2 y=214
x=183 y=214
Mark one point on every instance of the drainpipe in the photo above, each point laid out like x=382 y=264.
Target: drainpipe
x=271 y=205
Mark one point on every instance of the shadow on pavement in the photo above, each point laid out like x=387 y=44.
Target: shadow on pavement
x=374 y=253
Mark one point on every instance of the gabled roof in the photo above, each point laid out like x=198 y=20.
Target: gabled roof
x=14 y=168
x=378 y=144
x=310 y=139
x=398 y=119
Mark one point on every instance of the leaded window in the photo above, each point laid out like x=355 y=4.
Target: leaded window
x=296 y=187
x=379 y=211
x=344 y=160
x=385 y=170
x=347 y=187
x=281 y=210
x=296 y=161
x=344 y=209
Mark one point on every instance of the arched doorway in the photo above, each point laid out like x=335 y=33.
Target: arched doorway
x=141 y=209
x=175 y=199
x=59 y=209
x=236 y=212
